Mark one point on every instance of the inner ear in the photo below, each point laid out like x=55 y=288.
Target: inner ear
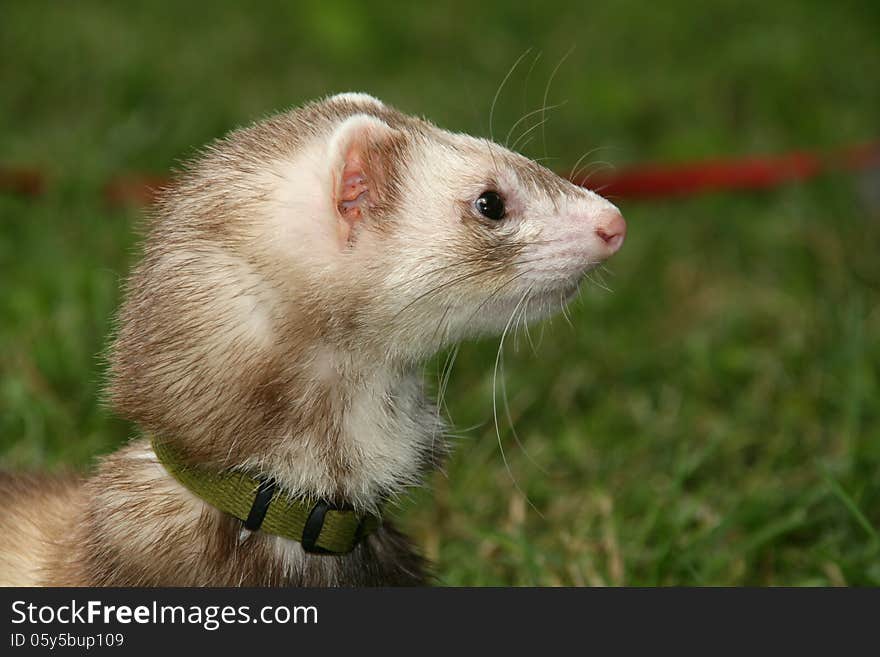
x=362 y=148
x=355 y=188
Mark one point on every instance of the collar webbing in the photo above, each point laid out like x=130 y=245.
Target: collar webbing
x=320 y=527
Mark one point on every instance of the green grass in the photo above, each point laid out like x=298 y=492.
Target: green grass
x=713 y=420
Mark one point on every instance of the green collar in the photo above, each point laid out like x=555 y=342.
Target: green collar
x=321 y=527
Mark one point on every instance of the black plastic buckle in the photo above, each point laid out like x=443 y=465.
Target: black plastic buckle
x=315 y=523
x=265 y=492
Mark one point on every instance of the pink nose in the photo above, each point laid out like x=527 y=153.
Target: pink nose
x=611 y=229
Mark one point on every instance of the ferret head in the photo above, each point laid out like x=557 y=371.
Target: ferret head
x=340 y=237
x=418 y=237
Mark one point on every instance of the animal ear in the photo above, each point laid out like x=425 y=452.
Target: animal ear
x=357 y=97
x=364 y=151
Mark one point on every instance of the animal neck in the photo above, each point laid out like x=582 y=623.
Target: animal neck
x=360 y=435
x=328 y=428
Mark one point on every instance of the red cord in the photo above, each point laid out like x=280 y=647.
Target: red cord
x=713 y=175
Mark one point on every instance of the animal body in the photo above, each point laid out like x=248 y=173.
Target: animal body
x=293 y=280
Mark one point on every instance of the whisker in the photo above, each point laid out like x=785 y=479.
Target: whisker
x=440 y=322
x=532 y=128
x=500 y=89
x=529 y=339
x=575 y=169
x=436 y=270
x=522 y=146
x=564 y=310
x=540 y=110
x=522 y=320
x=602 y=166
x=498 y=359
x=495 y=101
x=469 y=275
x=541 y=336
x=478 y=257
x=492 y=296
x=602 y=279
x=441 y=393
x=447 y=373
x=547 y=94
x=437 y=288
x=525 y=102
x=525 y=98
x=597 y=284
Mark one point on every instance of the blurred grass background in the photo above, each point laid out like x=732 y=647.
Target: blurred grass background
x=711 y=420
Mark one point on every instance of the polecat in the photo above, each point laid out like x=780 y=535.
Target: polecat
x=293 y=279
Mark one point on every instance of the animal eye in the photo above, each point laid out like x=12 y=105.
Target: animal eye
x=490 y=205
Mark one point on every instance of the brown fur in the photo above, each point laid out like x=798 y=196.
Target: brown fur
x=37 y=514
